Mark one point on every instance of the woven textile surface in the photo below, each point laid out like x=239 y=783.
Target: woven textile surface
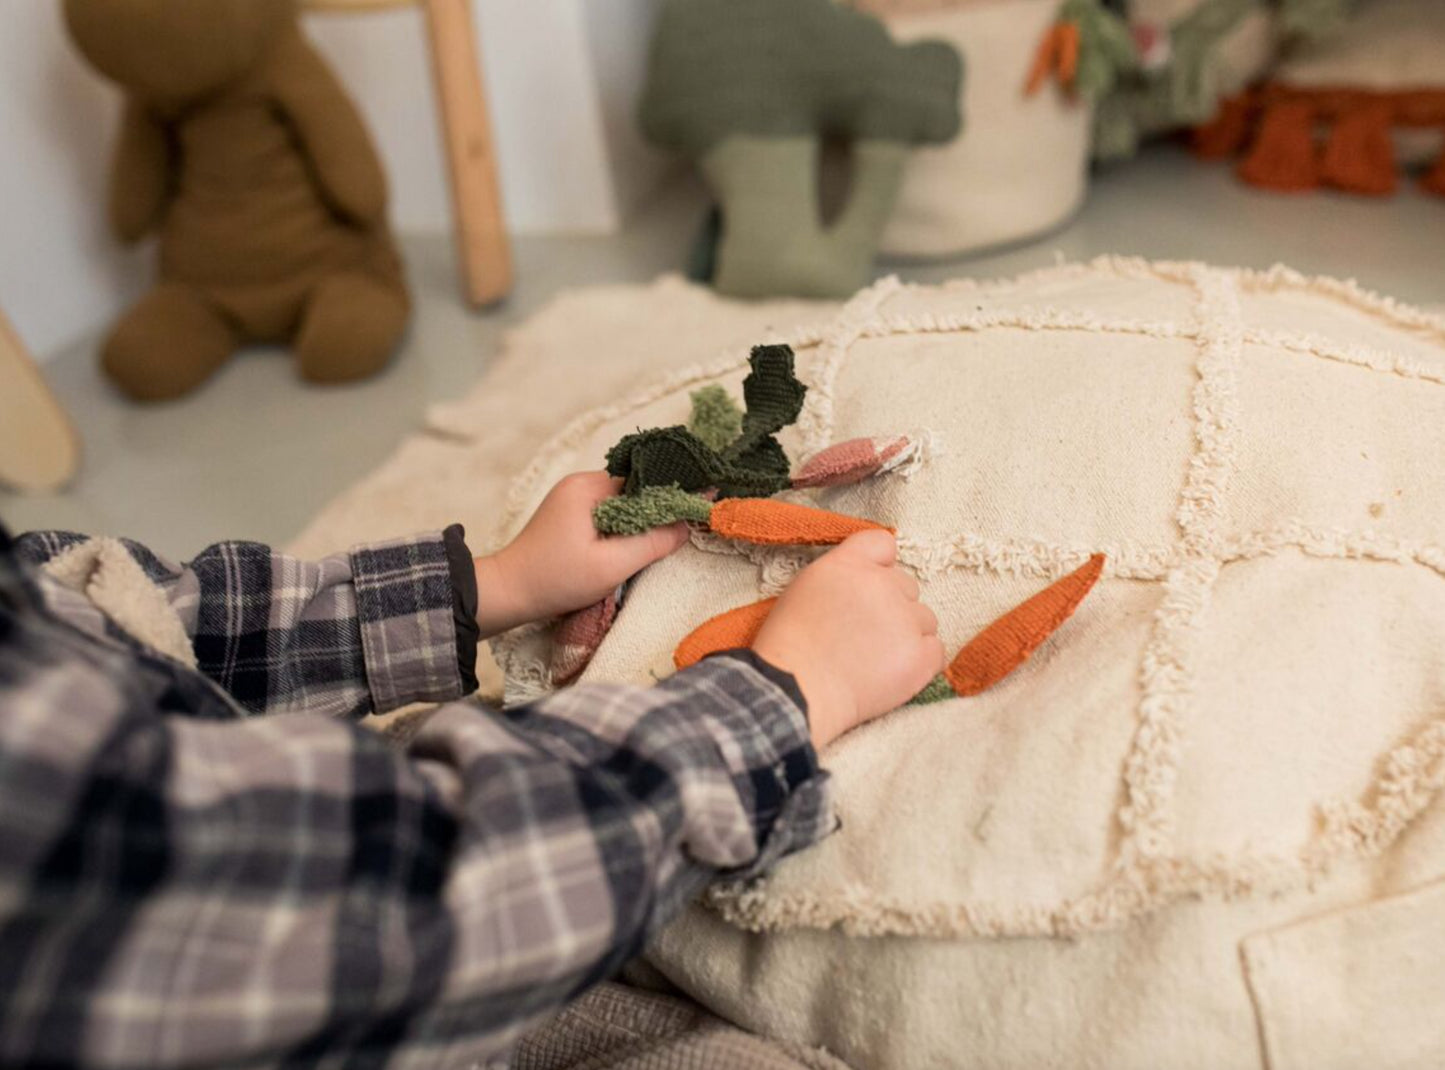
x=1204 y=820
x=1243 y=728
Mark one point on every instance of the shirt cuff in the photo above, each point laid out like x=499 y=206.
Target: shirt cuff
x=463 y=569
x=770 y=754
x=406 y=607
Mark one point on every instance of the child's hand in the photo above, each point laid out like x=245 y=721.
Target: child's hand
x=853 y=633
x=559 y=562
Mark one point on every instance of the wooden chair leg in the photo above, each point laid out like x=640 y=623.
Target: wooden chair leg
x=482 y=247
x=39 y=449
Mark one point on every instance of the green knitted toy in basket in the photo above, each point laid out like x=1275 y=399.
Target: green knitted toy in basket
x=1169 y=65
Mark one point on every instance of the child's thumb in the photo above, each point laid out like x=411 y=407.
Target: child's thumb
x=639 y=551
x=880 y=547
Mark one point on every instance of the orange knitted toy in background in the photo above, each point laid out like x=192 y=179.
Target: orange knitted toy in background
x=1277 y=127
x=1350 y=110
x=243 y=153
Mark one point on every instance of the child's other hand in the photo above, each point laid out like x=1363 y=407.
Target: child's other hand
x=559 y=562
x=853 y=633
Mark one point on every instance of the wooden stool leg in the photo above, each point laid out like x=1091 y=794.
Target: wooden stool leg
x=482 y=246
x=39 y=449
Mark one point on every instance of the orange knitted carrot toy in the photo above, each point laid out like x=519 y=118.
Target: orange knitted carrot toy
x=727 y=631
x=1009 y=641
x=773 y=523
x=1058 y=53
x=989 y=657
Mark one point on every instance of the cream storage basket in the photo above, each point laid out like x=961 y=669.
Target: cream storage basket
x=1021 y=166
x=1202 y=828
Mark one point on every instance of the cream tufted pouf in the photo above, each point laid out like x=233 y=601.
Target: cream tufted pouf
x=1202 y=827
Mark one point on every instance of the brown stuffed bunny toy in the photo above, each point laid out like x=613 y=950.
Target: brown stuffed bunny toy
x=243 y=151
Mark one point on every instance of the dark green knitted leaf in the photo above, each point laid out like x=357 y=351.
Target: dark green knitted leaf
x=773 y=397
x=674 y=455
x=661 y=457
x=752 y=465
x=765 y=465
x=737 y=482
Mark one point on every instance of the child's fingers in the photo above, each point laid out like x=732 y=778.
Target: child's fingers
x=907 y=584
x=633 y=553
x=927 y=620
x=591 y=487
x=666 y=540
x=600 y=485
x=879 y=547
x=934 y=656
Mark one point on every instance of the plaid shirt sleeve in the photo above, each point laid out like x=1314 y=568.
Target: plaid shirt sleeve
x=369 y=631
x=185 y=892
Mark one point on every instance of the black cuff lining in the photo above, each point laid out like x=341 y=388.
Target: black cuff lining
x=464 y=604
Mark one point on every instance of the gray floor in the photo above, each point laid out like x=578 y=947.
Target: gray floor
x=256 y=452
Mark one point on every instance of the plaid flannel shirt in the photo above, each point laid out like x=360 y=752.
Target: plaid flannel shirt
x=185 y=883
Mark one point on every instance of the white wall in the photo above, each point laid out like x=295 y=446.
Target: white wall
x=60 y=272
x=562 y=77
x=619 y=32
